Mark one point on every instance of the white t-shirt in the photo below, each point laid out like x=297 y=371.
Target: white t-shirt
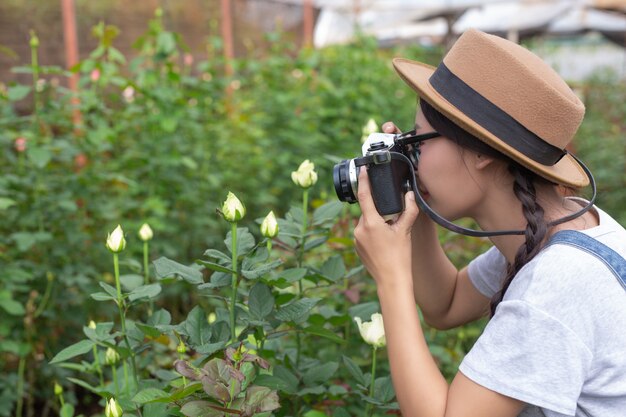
x=558 y=339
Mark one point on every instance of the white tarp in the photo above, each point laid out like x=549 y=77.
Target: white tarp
x=393 y=20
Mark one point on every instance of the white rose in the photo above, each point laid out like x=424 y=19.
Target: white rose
x=232 y=209
x=145 y=232
x=373 y=332
x=305 y=176
x=115 y=241
x=269 y=227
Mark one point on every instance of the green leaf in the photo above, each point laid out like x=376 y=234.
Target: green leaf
x=39 y=156
x=315 y=413
x=18 y=92
x=214 y=266
x=383 y=389
x=275 y=382
x=314 y=243
x=148 y=395
x=197 y=409
x=149 y=331
x=293 y=274
x=297 y=311
x=319 y=374
x=67 y=410
x=131 y=281
x=145 y=291
x=88 y=387
x=161 y=316
x=210 y=348
x=245 y=241
x=69 y=352
x=25 y=240
x=260 y=270
x=186 y=391
x=322 y=332
x=316 y=390
x=340 y=412
x=220 y=256
x=364 y=310
x=5 y=203
x=111 y=290
x=166 y=268
x=327 y=212
x=11 y=306
x=355 y=371
x=260 y=301
x=334 y=269
x=197 y=327
x=218 y=279
x=102 y=296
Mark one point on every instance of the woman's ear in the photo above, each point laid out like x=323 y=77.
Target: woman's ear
x=482 y=161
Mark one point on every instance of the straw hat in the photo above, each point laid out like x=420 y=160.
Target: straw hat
x=509 y=98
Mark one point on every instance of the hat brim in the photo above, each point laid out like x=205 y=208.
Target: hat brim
x=566 y=172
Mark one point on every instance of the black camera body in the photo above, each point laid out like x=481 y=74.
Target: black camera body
x=389 y=174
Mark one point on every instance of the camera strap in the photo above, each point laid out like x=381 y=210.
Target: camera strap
x=481 y=233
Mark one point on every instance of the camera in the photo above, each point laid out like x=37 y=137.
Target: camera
x=390 y=160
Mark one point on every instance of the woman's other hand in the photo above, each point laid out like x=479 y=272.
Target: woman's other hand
x=390 y=127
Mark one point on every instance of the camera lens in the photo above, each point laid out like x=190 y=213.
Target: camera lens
x=345 y=179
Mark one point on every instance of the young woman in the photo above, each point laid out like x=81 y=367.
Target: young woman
x=554 y=284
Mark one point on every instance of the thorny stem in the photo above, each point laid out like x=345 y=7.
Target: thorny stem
x=373 y=378
x=120 y=304
x=146 y=274
x=233 y=295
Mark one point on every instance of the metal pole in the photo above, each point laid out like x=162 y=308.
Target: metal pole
x=71 y=53
x=308 y=23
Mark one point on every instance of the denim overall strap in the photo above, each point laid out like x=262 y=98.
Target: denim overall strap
x=615 y=262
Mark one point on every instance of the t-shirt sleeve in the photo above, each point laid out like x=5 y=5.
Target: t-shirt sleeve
x=525 y=353
x=487 y=271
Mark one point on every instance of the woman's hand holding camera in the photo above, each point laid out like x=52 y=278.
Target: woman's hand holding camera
x=385 y=249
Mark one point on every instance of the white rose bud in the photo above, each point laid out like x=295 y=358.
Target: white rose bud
x=305 y=176
x=113 y=409
x=269 y=227
x=373 y=332
x=145 y=232
x=111 y=357
x=232 y=209
x=92 y=324
x=368 y=129
x=115 y=241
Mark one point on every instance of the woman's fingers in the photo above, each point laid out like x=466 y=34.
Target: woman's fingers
x=390 y=127
x=408 y=216
x=368 y=209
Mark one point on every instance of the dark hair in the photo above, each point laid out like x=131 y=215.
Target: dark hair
x=523 y=188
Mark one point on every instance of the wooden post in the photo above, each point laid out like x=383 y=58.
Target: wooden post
x=71 y=53
x=308 y=23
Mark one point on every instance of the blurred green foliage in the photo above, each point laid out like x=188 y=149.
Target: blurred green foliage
x=162 y=138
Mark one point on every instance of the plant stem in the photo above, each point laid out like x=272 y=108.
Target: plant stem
x=34 y=62
x=373 y=379
x=98 y=368
x=305 y=205
x=46 y=296
x=20 y=386
x=233 y=295
x=146 y=274
x=117 y=388
x=120 y=304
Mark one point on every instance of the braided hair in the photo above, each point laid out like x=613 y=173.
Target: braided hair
x=523 y=187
